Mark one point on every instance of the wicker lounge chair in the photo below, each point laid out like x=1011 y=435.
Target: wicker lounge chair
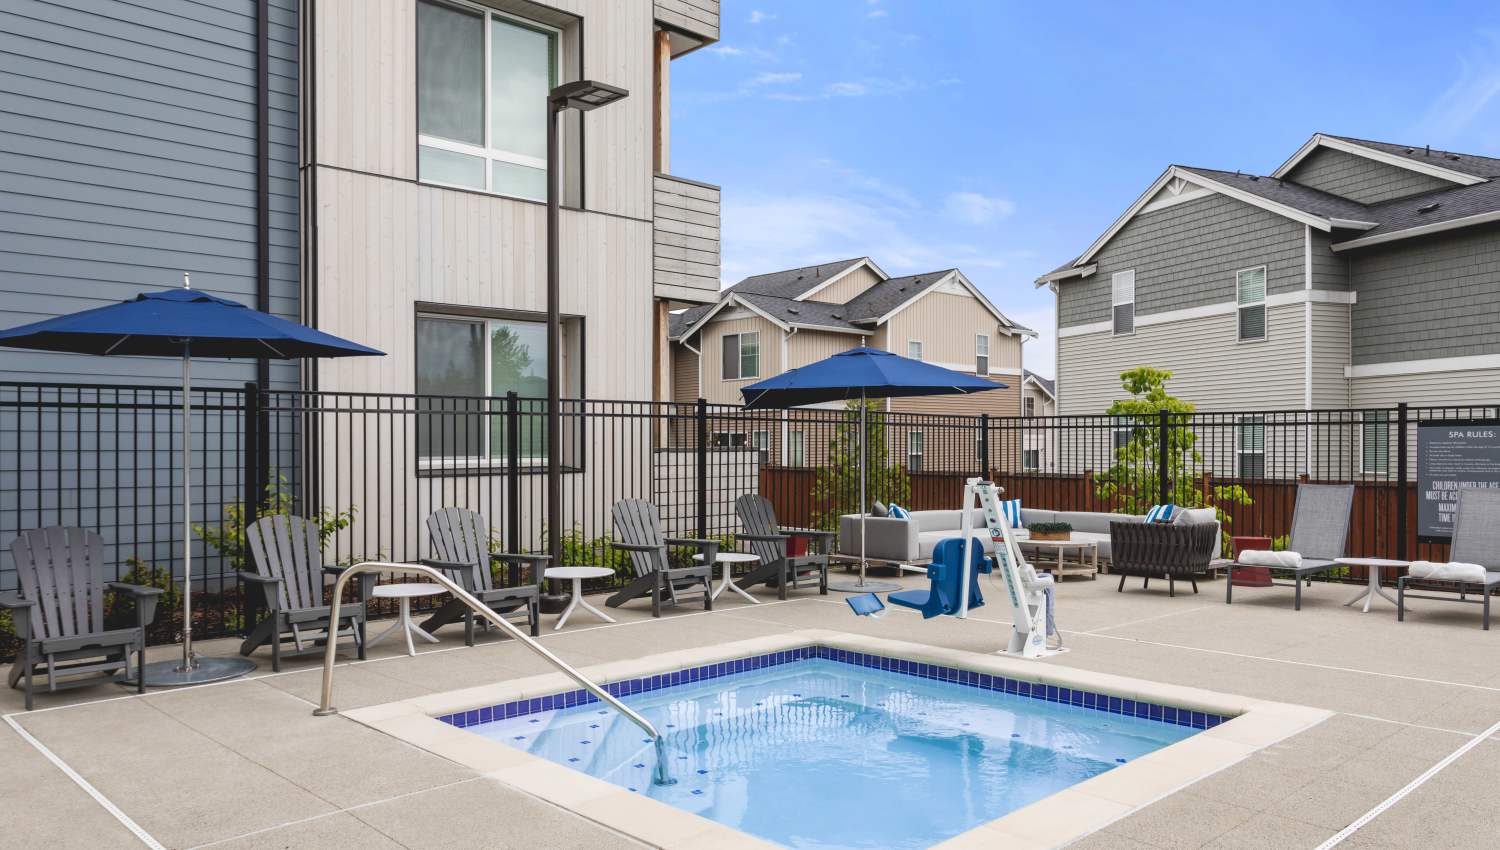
x=1476 y=540
x=1160 y=550
x=1320 y=530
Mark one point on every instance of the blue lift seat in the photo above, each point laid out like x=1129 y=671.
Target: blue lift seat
x=946 y=573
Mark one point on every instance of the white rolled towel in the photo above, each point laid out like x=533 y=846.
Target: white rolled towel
x=1268 y=558
x=1447 y=571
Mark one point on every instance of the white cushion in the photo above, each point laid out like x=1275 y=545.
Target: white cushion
x=1268 y=558
x=1448 y=571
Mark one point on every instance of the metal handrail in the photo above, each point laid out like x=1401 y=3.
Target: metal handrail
x=326 y=708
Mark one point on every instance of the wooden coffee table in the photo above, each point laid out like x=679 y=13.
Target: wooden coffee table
x=1061 y=565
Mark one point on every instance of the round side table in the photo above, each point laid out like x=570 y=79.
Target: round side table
x=1373 y=567
x=578 y=574
x=406 y=593
x=729 y=559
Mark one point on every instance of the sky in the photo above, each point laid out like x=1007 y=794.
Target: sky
x=1002 y=138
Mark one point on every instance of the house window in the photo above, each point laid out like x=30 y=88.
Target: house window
x=1122 y=301
x=1375 y=442
x=460 y=358
x=914 y=349
x=760 y=440
x=1031 y=460
x=981 y=354
x=914 y=444
x=726 y=440
x=1028 y=406
x=796 y=448
x=482 y=84
x=1250 y=295
x=742 y=356
x=1250 y=446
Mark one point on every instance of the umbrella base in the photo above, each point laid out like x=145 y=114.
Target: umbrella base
x=169 y=674
x=867 y=587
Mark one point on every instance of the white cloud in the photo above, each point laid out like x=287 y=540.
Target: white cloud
x=878 y=13
x=757 y=16
x=1472 y=94
x=726 y=50
x=771 y=78
x=847 y=89
x=974 y=208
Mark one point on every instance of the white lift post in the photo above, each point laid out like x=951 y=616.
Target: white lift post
x=1026 y=589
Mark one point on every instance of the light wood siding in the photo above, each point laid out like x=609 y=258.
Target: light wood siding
x=843 y=290
x=366 y=105
x=384 y=245
x=686 y=239
x=684 y=374
x=1209 y=367
x=1330 y=354
x=695 y=17
x=715 y=388
x=809 y=346
x=947 y=324
x=1360 y=179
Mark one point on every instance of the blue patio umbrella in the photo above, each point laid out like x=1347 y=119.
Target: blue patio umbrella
x=861 y=373
x=182 y=323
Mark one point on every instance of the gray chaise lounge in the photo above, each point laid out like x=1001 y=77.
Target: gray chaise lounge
x=1476 y=540
x=1320 y=530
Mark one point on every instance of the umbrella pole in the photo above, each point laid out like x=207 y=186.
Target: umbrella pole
x=187 y=513
x=864 y=410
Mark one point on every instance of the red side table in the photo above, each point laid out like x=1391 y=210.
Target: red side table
x=1250 y=576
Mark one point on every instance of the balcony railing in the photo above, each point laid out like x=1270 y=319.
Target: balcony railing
x=686 y=239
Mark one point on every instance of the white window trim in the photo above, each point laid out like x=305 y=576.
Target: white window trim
x=1385 y=427
x=486 y=153
x=740 y=356
x=918 y=344
x=796 y=445
x=985 y=355
x=921 y=440
x=1239 y=444
x=1036 y=467
x=1113 y=303
x=1263 y=303
x=755 y=439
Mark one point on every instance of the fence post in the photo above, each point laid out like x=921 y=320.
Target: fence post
x=702 y=468
x=984 y=446
x=1163 y=485
x=254 y=464
x=1402 y=552
x=513 y=469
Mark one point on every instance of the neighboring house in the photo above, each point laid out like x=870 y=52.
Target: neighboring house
x=769 y=323
x=1358 y=274
x=1038 y=445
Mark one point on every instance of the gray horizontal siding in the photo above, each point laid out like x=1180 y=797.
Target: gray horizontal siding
x=1186 y=256
x=1329 y=270
x=1360 y=179
x=686 y=239
x=1427 y=298
x=128 y=156
x=699 y=17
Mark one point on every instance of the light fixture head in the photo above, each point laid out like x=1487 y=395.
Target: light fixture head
x=585 y=95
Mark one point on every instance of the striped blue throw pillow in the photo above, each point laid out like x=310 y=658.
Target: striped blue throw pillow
x=1011 y=510
x=895 y=510
x=1162 y=513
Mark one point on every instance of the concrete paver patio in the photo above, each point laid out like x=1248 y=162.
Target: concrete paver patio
x=246 y=765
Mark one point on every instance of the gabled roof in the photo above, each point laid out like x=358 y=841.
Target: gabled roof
x=1460 y=168
x=796 y=283
x=1044 y=384
x=1313 y=202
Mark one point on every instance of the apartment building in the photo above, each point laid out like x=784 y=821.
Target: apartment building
x=1038 y=446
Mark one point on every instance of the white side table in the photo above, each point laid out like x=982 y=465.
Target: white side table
x=729 y=559
x=578 y=574
x=1373 y=567
x=406 y=593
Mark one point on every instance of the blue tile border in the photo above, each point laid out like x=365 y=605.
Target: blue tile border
x=967 y=678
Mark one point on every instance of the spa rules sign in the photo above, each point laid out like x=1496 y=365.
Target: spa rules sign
x=1452 y=456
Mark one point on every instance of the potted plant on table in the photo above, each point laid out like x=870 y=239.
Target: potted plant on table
x=1049 y=531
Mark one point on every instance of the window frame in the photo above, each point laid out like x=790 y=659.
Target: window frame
x=1028 y=407
x=739 y=360
x=796 y=447
x=484 y=152
x=727 y=440
x=914 y=459
x=1034 y=466
x=985 y=355
x=1240 y=307
x=1379 y=421
x=760 y=440
x=1115 y=303
x=914 y=344
x=1240 y=452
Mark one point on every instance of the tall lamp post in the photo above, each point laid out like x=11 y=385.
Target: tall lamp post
x=582 y=95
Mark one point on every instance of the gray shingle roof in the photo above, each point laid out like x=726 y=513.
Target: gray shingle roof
x=1046 y=383
x=1294 y=195
x=1464 y=163
x=791 y=283
x=1458 y=202
x=889 y=294
x=679 y=322
x=794 y=312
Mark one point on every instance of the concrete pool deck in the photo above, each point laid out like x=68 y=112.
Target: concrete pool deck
x=246 y=765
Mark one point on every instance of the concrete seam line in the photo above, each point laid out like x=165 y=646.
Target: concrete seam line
x=89 y=789
x=1338 y=838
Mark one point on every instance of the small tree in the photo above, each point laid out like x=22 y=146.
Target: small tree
x=228 y=536
x=1132 y=483
x=837 y=485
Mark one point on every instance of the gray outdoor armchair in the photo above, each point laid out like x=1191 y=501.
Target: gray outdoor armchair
x=460 y=542
x=1476 y=540
x=59 y=614
x=638 y=531
x=289 y=586
x=1320 y=531
x=770 y=542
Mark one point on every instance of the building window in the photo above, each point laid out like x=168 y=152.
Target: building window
x=1122 y=300
x=1250 y=295
x=914 y=349
x=461 y=358
x=760 y=440
x=914 y=444
x=742 y=356
x=1028 y=406
x=482 y=84
x=726 y=440
x=981 y=354
x=796 y=448
x=1250 y=446
x=1031 y=460
x=1375 y=442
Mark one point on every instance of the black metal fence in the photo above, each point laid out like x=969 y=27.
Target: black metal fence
x=372 y=466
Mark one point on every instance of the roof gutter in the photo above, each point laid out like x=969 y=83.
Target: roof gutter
x=1077 y=271
x=1423 y=230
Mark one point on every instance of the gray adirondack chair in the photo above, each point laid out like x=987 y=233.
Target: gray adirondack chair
x=460 y=542
x=638 y=530
x=771 y=543
x=59 y=613
x=289 y=584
